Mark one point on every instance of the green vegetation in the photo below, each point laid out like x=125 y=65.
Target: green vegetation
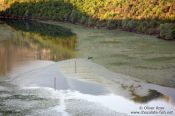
x=144 y=16
x=167 y=31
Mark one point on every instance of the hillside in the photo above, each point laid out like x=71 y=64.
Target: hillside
x=143 y=16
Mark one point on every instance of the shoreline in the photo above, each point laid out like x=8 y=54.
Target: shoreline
x=92 y=79
x=146 y=38
x=79 y=24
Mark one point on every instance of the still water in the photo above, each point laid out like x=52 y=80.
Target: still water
x=38 y=75
x=35 y=41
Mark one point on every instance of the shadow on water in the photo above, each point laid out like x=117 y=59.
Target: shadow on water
x=35 y=41
x=40 y=28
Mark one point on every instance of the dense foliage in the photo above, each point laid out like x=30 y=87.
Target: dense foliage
x=167 y=31
x=133 y=15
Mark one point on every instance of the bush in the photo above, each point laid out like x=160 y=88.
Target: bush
x=129 y=25
x=83 y=20
x=167 y=31
x=91 y=22
x=111 y=24
x=66 y=17
x=74 y=16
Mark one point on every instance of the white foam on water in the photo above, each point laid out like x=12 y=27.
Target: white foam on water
x=89 y=80
x=118 y=103
x=111 y=102
x=50 y=93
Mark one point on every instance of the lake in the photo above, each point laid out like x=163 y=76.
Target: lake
x=61 y=69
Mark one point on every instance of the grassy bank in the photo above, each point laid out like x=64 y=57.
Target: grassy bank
x=143 y=16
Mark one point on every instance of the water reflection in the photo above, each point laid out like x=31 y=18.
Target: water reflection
x=127 y=87
x=40 y=28
x=36 y=41
x=152 y=94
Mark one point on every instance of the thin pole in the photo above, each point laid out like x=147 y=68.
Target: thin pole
x=75 y=66
x=55 y=83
